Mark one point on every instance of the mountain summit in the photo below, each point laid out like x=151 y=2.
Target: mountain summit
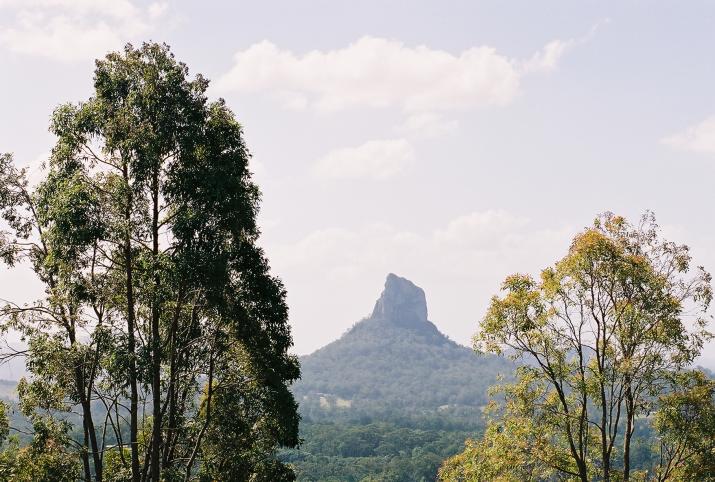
x=395 y=359
x=402 y=302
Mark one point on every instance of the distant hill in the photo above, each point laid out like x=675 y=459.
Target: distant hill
x=396 y=358
x=391 y=398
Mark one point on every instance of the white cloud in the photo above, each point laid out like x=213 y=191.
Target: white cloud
x=113 y=8
x=548 y=57
x=696 y=138
x=378 y=72
x=158 y=9
x=483 y=229
x=489 y=244
x=73 y=30
x=376 y=159
x=428 y=125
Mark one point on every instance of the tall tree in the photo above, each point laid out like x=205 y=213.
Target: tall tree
x=144 y=234
x=601 y=335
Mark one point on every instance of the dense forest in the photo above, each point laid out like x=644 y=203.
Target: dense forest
x=381 y=451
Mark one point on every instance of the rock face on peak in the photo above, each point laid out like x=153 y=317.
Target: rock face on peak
x=402 y=302
x=395 y=360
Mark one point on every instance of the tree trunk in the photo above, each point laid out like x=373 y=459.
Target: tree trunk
x=156 y=341
x=605 y=455
x=90 y=434
x=131 y=342
x=630 y=415
x=85 y=458
x=89 y=426
x=171 y=395
x=207 y=420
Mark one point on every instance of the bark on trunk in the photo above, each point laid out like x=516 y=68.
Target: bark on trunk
x=156 y=341
x=131 y=342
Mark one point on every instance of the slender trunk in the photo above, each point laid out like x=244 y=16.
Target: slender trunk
x=604 y=440
x=155 y=337
x=118 y=433
x=85 y=457
x=575 y=451
x=207 y=420
x=89 y=427
x=171 y=395
x=605 y=452
x=90 y=435
x=181 y=394
x=629 y=433
x=583 y=417
x=88 y=423
x=131 y=342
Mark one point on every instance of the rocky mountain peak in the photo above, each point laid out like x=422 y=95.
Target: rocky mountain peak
x=401 y=302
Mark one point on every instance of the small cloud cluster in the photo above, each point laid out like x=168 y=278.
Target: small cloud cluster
x=480 y=230
x=697 y=138
x=428 y=125
x=73 y=30
x=475 y=244
x=547 y=59
x=377 y=159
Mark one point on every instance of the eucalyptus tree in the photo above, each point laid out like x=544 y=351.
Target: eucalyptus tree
x=144 y=233
x=602 y=334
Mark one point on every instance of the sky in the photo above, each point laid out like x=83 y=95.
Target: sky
x=452 y=143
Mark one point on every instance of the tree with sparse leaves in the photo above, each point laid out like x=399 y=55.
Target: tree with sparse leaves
x=160 y=313
x=606 y=336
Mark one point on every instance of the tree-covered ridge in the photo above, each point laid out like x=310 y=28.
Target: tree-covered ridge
x=398 y=367
x=397 y=358
x=391 y=398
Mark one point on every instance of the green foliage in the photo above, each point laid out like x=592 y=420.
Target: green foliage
x=685 y=423
x=144 y=235
x=115 y=466
x=4 y=422
x=605 y=339
x=381 y=451
x=46 y=458
x=247 y=420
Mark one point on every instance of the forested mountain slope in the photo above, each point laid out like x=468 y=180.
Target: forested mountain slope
x=397 y=358
x=391 y=398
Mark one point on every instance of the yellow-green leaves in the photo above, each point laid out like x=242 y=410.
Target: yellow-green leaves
x=600 y=334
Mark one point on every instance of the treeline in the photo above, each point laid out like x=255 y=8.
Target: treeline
x=379 y=451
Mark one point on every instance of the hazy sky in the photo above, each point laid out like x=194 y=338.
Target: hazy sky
x=450 y=142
